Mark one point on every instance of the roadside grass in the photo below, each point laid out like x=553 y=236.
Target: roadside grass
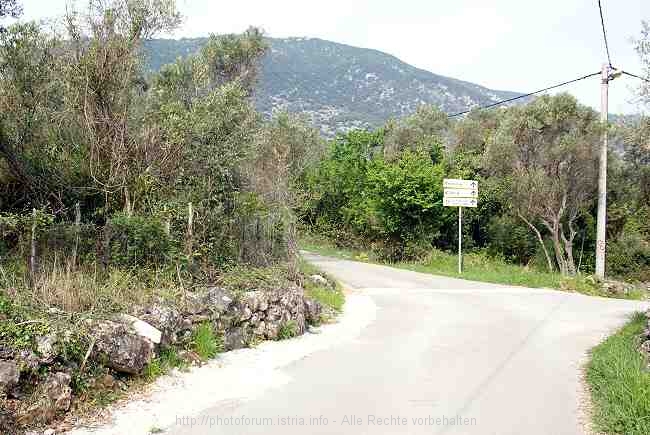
x=476 y=267
x=205 y=343
x=288 y=330
x=331 y=296
x=167 y=360
x=619 y=381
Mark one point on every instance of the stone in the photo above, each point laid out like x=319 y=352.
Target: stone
x=260 y=329
x=218 y=299
x=255 y=300
x=121 y=348
x=166 y=319
x=52 y=397
x=106 y=381
x=9 y=376
x=212 y=300
x=235 y=338
x=313 y=310
x=6 y=352
x=28 y=360
x=142 y=328
x=320 y=280
x=57 y=388
x=45 y=346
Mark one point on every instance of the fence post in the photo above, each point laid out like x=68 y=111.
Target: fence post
x=32 y=253
x=107 y=244
x=190 y=231
x=77 y=224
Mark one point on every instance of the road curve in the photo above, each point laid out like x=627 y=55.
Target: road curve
x=442 y=356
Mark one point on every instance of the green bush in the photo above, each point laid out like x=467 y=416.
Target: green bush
x=629 y=258
x=138 y=240
x=512 y=239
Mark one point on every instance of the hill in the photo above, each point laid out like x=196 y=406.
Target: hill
x=339 y=86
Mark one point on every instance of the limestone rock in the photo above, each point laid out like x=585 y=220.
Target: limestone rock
x=313 y=310
x=51 y=398
x=319 y=280
x=235 y=338
x=142 y=328
x=9 y=376
x=165 y=318
x=121 y=348
x=213 y=300
x=45 y=346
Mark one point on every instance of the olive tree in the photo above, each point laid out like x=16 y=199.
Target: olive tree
x=547 y=150
x=105 y=90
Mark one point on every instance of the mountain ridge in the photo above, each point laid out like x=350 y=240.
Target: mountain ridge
x=338 y=86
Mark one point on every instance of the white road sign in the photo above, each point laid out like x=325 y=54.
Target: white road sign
x=451 y=183
x=461 y=193
x=459 y=202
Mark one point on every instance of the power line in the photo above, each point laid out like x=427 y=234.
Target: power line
x=602 y=24
x=498 y=103
x=635 y=76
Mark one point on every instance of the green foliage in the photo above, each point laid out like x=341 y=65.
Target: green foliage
x=393 y=203
x=512 y=240
x=288 y=329
x=138 y=240
x=205 y=343
x=166 y=360
x=629 y=257
x=328 y=297
x=240 y=278
x=620 y=382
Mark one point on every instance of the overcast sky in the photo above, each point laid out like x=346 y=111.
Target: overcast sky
x=517 y=45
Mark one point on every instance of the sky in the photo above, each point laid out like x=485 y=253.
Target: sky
x=515 y=45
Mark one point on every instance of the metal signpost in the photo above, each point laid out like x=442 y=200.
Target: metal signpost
x=460 y=193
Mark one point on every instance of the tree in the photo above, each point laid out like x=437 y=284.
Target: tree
x=642 y=47
x=106 y=89
x=29 y=99
x=547 y=150
x=9 y=8
x=426 y=129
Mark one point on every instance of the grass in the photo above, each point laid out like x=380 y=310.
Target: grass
x=476 y=267
x=205 y=343
x=328 y=296
x=620 y=382
x=288 y=329
x=167 y=360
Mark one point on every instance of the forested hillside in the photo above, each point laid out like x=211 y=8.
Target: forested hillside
x=339 y=87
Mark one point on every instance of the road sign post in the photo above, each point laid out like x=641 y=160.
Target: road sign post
x=460 y=240
x=460 y=193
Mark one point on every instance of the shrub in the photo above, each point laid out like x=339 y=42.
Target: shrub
x=138 y=240
x=629 y=258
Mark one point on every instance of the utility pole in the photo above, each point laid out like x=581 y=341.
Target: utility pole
x=608 y=74
x=601 y=223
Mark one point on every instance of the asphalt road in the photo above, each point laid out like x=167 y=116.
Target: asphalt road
x=442 y=356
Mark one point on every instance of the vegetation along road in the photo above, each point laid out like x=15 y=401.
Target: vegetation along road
x=482 y=358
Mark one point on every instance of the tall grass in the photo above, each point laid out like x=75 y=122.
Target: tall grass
x=620 y=382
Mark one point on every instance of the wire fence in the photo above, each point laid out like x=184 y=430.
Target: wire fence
x=132 y=241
